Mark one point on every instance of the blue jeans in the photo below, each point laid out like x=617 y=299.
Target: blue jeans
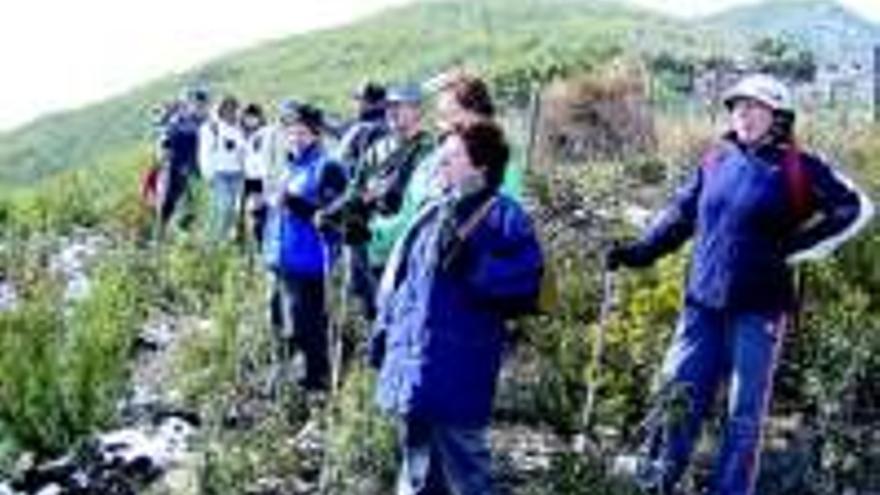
x=226 y=191
x=710 y=347
x=439 y=459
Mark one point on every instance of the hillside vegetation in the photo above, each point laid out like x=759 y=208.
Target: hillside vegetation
x=69 y=365
x=511 y=41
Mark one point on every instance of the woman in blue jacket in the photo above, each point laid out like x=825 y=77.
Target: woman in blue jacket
x=297 y=253
x=746 y=208
x=469 y=260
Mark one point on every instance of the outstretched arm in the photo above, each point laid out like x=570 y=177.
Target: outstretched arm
x=673 y=227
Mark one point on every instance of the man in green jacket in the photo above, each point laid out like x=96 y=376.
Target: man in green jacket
x=403 y=152
x=375 y=213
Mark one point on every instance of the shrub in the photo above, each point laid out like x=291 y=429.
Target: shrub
x=362 y=443
x=63 y=370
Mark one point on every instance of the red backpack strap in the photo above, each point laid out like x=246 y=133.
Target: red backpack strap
x=797 y=182
x=149 y=184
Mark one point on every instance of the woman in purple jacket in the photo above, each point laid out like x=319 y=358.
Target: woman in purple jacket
x=469 y=260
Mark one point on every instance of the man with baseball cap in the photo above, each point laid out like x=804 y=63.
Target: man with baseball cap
x=370 y=217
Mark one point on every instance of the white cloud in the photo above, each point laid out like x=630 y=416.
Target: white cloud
x=62 y=54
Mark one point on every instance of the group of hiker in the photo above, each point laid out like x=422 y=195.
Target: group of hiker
x=232 y=148
x=441 y=254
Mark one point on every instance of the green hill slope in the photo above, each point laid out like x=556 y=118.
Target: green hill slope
x=507 y=37
x=510 y=40
x=824 y=26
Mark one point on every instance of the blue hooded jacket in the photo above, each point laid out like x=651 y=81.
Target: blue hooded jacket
x=740 y=213
x=293 y=245
x=443 y=305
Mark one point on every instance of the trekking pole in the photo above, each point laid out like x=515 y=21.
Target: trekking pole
x=606 y=306
x=334 y=349
x=800 y=290
x=337 y=334
x=594 y=370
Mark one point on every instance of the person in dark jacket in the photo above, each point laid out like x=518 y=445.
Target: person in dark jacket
x=297 y=254
x=746 y=209
x=180 y=145
x=393 y=162
x=368 y=128
x=469 y=261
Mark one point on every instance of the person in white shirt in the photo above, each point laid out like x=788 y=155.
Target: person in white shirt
x=257 y=160
x=221 y=161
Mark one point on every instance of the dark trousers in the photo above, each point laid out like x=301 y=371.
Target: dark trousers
x=363 y=280
x=252 y=212
x=174 y=187
x=299 y=319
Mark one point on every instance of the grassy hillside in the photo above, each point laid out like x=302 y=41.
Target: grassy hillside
x=825 y=26
x=68 y=364
x=511 y=40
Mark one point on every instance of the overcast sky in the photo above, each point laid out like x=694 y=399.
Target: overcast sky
x=60 y=54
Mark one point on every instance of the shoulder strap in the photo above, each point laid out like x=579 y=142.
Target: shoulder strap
x=402 y=155
x=467 y=228
x=364 y=138
x=797 y=182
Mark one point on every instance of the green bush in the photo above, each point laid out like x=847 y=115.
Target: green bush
x=362 y=445
x=648 y=170
x=101 y=332
x=31 y=391
x=196 y=273
x=104 y=196
x=573 y=474
x=63 y=371
x=5 y=211
x=214 y=283
x=234 y=462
